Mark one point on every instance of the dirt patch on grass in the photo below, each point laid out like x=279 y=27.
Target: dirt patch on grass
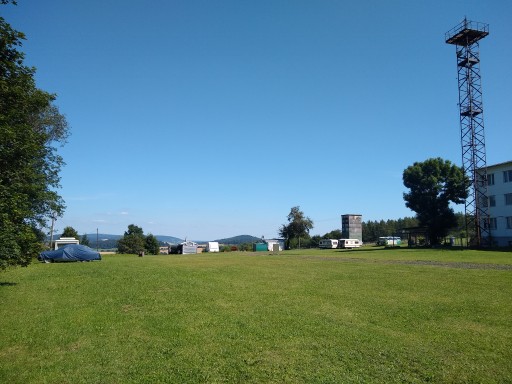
x=454 y=264
x=444 y=264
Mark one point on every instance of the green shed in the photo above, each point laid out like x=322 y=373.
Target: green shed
x=260 y=247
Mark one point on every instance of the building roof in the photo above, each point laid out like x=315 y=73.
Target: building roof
x=500 y=164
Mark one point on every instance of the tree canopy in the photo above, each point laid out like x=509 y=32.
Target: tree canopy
x=30 y=126
x=70 y=232
x=298 y=227
x=134 y=242
x=84 y=240
x=152 y=245
x=433 y=185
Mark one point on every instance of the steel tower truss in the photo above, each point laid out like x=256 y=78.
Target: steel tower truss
x=465 y=37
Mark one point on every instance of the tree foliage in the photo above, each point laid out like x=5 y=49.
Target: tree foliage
x=30 y=126
x=84 y=240
x=433 y=185
x=152 y=245
x=134 y=242
x=296 y=232
x=372 y=230
x=70 y=232
x=134 y=230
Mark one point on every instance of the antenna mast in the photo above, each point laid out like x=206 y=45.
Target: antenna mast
x=465 y=36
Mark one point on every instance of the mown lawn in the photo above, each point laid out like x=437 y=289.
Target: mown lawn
x=329 y=316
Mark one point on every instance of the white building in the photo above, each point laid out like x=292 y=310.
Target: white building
x=499 y=192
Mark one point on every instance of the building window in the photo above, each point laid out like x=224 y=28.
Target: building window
x=489 y=201
x=509 y=222
x=490 y=179
x=491 y=223
x=507 y=176
x=508 y=198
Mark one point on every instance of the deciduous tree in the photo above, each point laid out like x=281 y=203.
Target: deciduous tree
x=298 y=227
x=134 y=242
x=30 y=126
x=151 y=245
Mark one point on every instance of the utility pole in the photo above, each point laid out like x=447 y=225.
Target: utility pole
x=54 y=218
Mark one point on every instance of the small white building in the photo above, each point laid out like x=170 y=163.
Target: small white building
x=499 y=193
x=271 y=242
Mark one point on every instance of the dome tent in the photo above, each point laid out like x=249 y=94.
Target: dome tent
x=72 y=252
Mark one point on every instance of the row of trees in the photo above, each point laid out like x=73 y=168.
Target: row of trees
x=30 y=128
x=433 y=186
x=372 y=230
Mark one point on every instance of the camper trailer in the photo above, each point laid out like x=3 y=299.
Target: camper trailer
x=349 y=243
x=389 y=241
x=212 y=246
x=328 y=243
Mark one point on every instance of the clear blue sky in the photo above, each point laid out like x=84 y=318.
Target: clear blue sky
x=210 y=119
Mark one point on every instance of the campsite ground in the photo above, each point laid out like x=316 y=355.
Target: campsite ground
x=368 y=315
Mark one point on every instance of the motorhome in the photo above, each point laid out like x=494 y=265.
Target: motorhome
x=349 y=243
x=328 y=243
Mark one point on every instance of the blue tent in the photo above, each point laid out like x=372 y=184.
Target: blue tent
x=71 y=252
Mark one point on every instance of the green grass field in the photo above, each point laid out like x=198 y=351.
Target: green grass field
x=309 y=316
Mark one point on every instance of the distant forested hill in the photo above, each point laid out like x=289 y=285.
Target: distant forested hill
x=109 y=241
x=241 y=239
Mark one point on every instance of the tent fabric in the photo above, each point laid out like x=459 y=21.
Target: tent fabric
x=71 y=252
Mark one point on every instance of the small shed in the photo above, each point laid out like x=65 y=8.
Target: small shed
x=260 y=247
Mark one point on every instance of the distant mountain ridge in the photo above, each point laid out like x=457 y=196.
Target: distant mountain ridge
x=239 y=240
x=107 y=241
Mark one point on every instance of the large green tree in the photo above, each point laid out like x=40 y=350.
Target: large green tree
x=134 y=242
x=70 y=232
x=152 y=245
x=30 y=128
x=433 y=185
x=297 y=229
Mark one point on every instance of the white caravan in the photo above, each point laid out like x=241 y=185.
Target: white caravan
x=328 y=243
x=349 y=243
x=212 y=246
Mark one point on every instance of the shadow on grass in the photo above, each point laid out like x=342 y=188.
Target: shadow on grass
x=371 y=249
x=7 y=284
x=440 y=247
